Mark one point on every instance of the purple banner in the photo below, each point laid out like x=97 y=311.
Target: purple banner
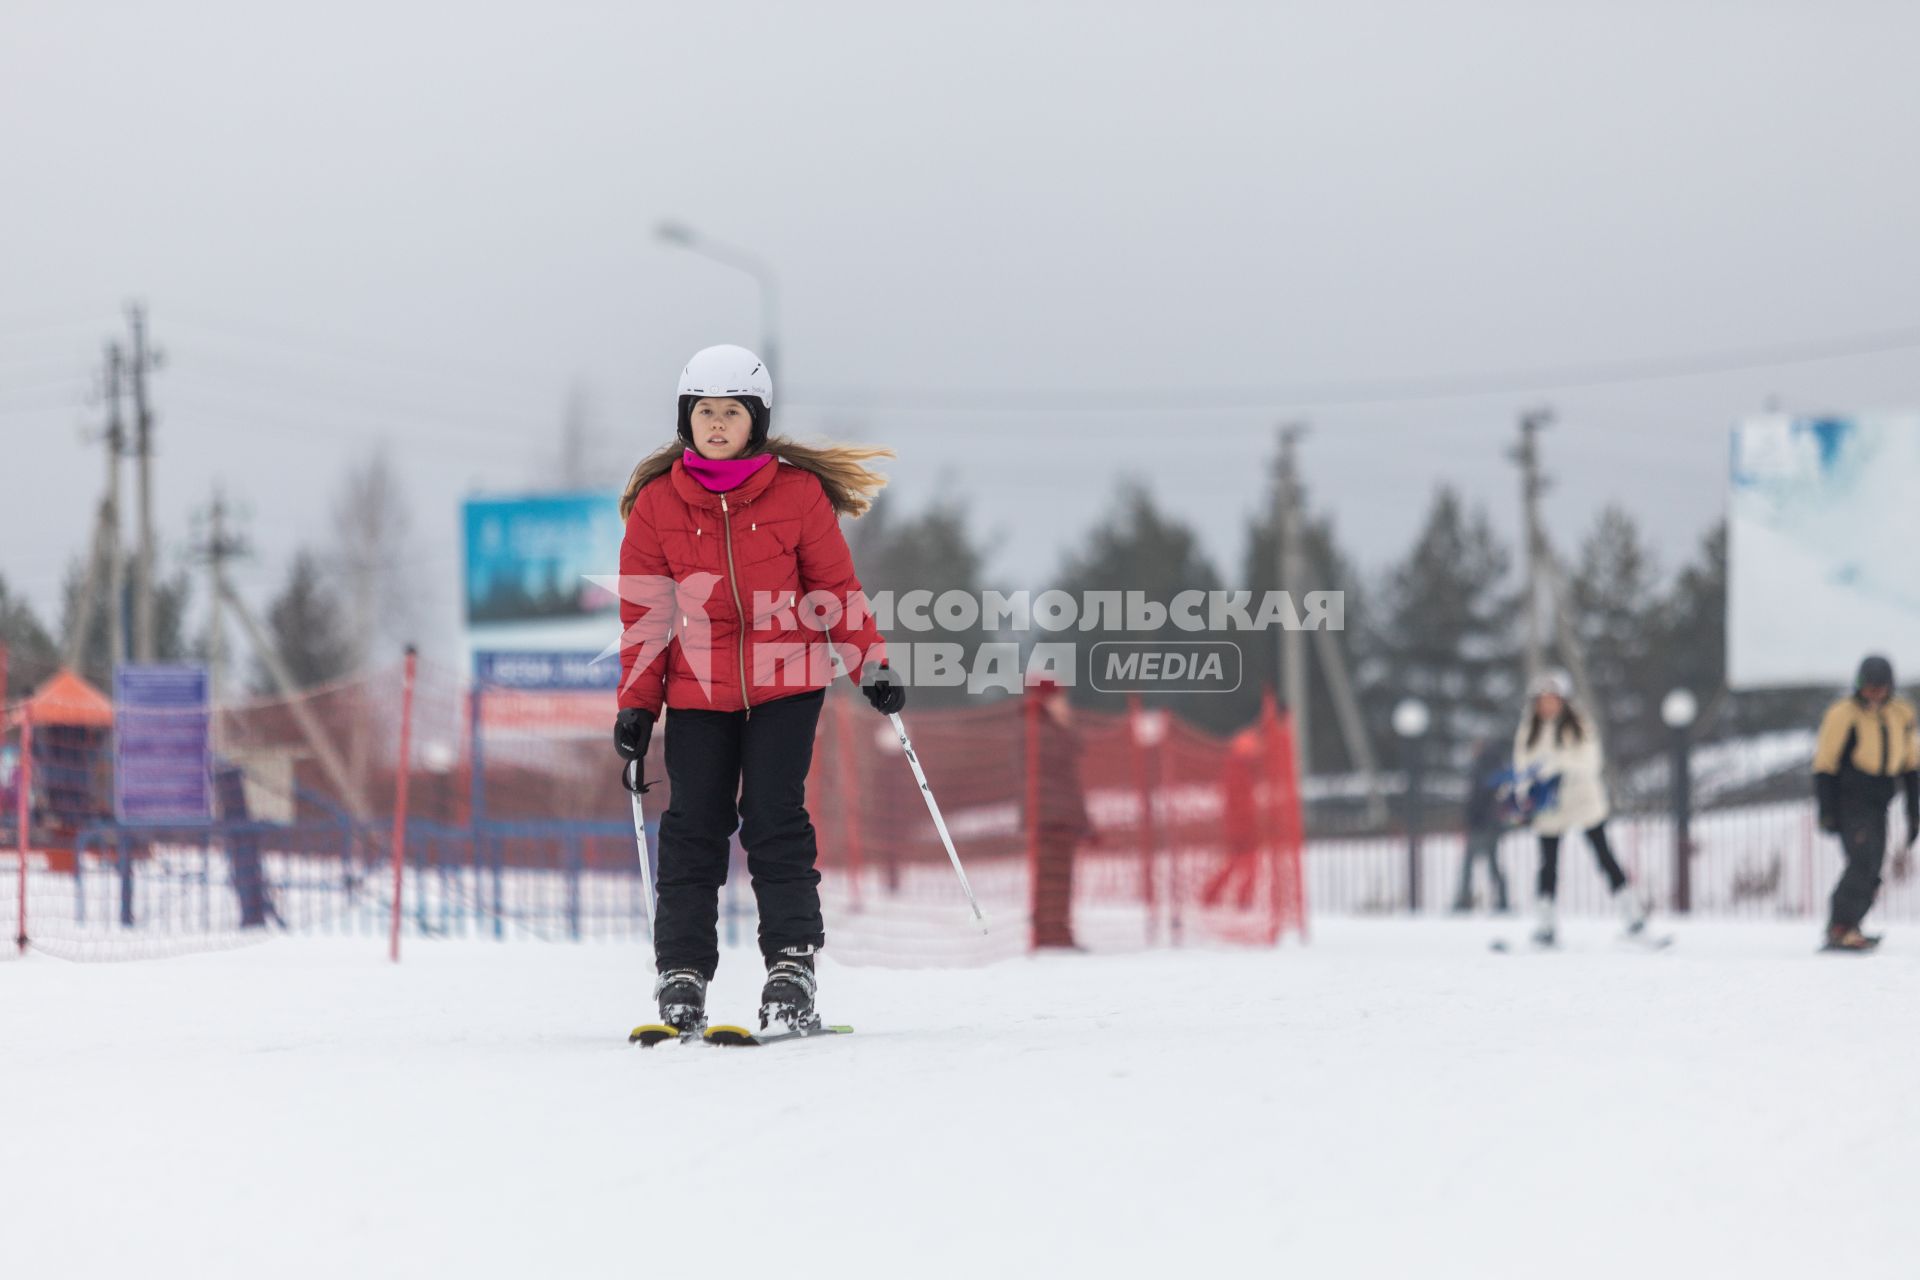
x=162 y=744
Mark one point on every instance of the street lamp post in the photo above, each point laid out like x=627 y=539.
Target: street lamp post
x=1411 y=720
x=439 y=758
x=1677 y=711
x=684 y=236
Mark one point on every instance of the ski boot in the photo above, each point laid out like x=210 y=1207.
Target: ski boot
x=1544 y=936
x=1840 y=938
x=683 y=1000
x=1633 y=912
x=787 y=999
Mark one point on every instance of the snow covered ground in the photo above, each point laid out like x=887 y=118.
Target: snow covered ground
x=1394 y=1100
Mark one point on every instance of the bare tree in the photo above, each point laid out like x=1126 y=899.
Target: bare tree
x=372 y=527
x=579 y=464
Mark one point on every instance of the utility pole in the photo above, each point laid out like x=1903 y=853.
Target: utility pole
x=1295 y=570
x=1289 y=560
x=143 y=362
x=217 y=546
x=107 y=558
x=1543 y=567
x=1532 y=486
x=116 y=549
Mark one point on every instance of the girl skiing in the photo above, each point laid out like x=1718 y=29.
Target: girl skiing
x=1558 y=752
x=737 y=592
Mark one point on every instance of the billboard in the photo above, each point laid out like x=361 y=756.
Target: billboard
x=546 y=695
x=1822 y=520
x=527 y=561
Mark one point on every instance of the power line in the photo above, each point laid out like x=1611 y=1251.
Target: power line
x=43 y=379
x=310 y=344
x=1397 y=390
x=349 y=390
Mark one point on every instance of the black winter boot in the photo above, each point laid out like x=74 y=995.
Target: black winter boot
x=683 y=999
x=787 y=998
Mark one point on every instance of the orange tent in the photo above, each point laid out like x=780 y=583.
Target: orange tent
x=66 y=699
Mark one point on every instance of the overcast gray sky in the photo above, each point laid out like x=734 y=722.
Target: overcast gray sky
x=1035 y=247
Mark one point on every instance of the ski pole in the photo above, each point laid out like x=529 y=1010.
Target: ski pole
x=940 y=823
x=630 y=778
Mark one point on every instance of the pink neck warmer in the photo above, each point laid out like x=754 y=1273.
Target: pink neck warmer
x=718 y=475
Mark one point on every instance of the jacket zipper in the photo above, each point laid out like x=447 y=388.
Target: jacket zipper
x=740 y=612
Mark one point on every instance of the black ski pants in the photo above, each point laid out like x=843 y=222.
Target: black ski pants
x=1863 y=838
x=745 y=770
x=1603 y=854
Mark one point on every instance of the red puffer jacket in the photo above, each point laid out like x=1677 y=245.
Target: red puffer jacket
x=695 y=563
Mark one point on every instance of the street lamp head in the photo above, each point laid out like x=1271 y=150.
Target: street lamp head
x=1411 y=718
x=1678 y=708
x=674 y=232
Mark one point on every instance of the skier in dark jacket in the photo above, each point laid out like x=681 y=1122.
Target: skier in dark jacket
x=1486 y=775
x=1868 y=744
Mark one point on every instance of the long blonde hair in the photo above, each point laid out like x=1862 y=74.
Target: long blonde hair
x=841 y=468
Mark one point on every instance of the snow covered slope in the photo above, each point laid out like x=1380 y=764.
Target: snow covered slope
x=1394 y=1100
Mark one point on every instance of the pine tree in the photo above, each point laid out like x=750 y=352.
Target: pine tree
x=1446 y=634
x=31 y=653
x=1138 y=548
x=932 y=552
x=1693 y=621
x=307 y=628
x=1617 y=611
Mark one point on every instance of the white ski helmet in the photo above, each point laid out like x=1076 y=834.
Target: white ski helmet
x=1554 y=681
x=727 y=371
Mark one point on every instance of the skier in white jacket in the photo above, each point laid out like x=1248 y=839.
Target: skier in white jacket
x=1558 y=751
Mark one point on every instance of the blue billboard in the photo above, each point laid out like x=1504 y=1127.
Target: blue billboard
x=527 y=558
x=1821 y=518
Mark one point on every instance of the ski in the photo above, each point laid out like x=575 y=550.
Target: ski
x=740 y=1037
x=650 y=1034
x=1643 y=941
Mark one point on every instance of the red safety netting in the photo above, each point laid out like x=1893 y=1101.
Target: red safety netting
x=1077 y=829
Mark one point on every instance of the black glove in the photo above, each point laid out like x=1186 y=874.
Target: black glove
x=632 y=731
x=1826 y=793
x=884 y=690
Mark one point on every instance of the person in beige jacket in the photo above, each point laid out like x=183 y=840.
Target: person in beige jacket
x=1868 y=747
x=1558 y=751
